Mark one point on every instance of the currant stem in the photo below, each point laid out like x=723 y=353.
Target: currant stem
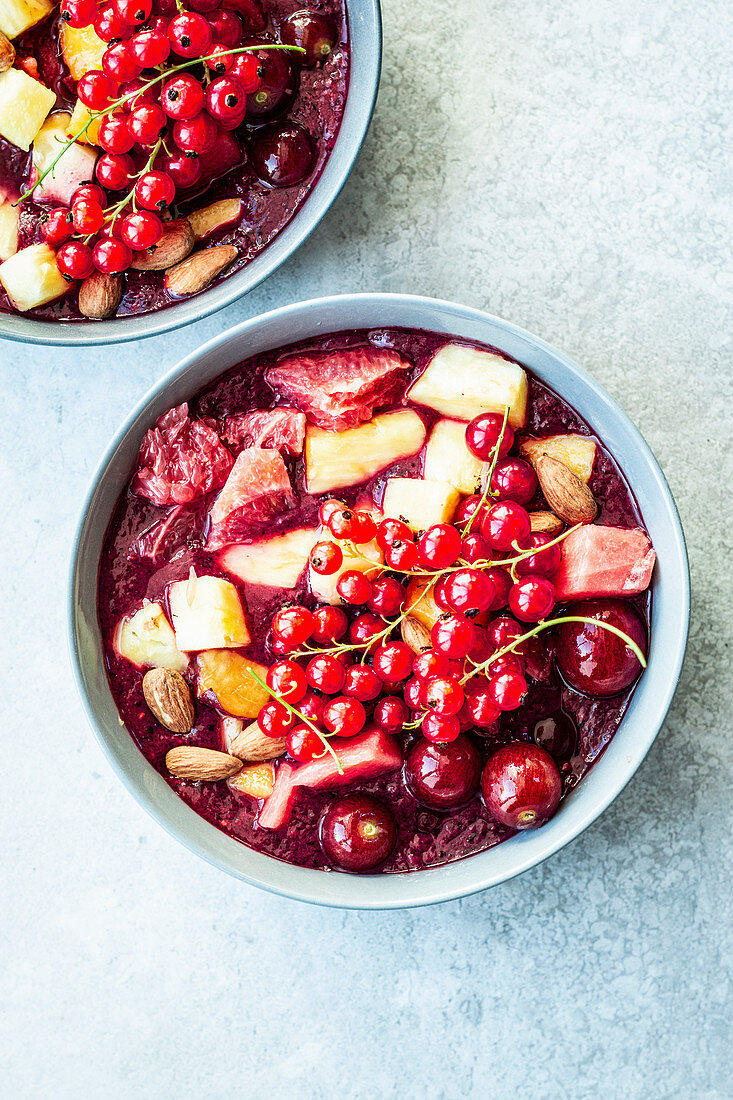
x=487 y=491
x=304 y=719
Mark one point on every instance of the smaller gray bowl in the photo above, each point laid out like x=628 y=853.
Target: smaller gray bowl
x=365 y=42
x=610 y=774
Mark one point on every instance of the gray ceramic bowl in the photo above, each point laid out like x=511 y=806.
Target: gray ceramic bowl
x=365 y=37
x=648 y=706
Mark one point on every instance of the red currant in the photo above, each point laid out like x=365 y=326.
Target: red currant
x=74 y=260
x=483 y=433
x=329 y=625
x=57 y=226
x=190 y=35
x=119 y=63
x=96 y=90
x=146 y=122
x=514 y=479
x=150 y=48
x=453 y=636
x=365 y=628
x=362 y=683
x=503 y=631
x=388 y=597
x=246 y=68
x=505 y=524
x=184 y=169
x=328 y=508
x=141 y=230
x=220 y=59
x=341 y=521
x=393 y=662
x=354 y=587
x=391 y=714
x=274 y=719
x=544 y=562
x=440 y=729
x=311 y=706
x=155 y=190
x=344 y=716
x=114 y=135
x=288 y=680
x=304 y=744
x=412 y=693
x=481 y=708
x=196 y=134
x=475 y=548
x=439 y=546
x=326 y=674
x=227 y=28
x=469 y=590
x=88 y=216
x=392 y=530
x=532 y=599
x=108 y=24
x=182 y=97
x=502 y=582
x=443 y=695
x=226 y=101
x=401 y=555
x=78 y=13
x=326 y=558
x=430 y=664
x=293 y=625
x=111 y=256
x=507 y=690
x=468 y=508
x=115 y=171
x=134 y=12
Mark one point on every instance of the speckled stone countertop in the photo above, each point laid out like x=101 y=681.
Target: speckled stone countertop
x=562 y=166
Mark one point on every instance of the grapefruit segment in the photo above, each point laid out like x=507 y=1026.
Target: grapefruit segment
x=258 y=488
x=604 y=561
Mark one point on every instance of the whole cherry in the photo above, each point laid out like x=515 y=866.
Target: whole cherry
x=521 y=785
x=357 y=832
x=445 y=775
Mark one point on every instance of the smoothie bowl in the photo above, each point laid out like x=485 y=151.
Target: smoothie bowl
x=377 y=601
x=156 y=162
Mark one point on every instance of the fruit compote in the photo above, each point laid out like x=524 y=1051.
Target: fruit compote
x=376 y=602
x=148 y=149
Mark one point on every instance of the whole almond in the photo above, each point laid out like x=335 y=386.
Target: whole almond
x=169 y=698
x=545 y=523
x=175 y=244
x=568 y=496
x=415 y=634
x=192 y=762
x=7 y=53
x=253 y=745
x=210 y=218
x=198 y=270
x=100 y=295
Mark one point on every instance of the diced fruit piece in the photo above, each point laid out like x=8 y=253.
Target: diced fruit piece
x=447 y=458
x=422 y=603
x=74 y=168
x=17 y=16
x=230 y=728
x=258 y=488
x=207 y=614
x=463 y=382
x=256 y=780
x=577 y=452
x=180 y=459
x=363 y=559
x=9 y=216
x=362 y=757
x=79 y=118
x=420 y=503
x=226 y=675
x=31 y=277
x=279 y=429
x=24 y=105
x=82 y=48
x=338 y=389
x=336 y=459
x=277 y=561
x=147 y=640
x=604 y=561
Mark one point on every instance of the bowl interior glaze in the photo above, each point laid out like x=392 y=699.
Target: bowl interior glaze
x=608 y=776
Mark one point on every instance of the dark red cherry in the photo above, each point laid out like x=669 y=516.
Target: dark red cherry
x=557 y=735
x=282 y=154
x=313 y=32
x=443 y=776
x=594 y=660
x=358 y=832
x=521 y=785
x=278 y=85
x=250 y=12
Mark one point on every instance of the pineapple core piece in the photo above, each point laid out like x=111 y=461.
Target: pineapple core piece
x=336 y=459
x=31 y=277
x=577 y=452
x=207 y=614
x=420 y=503
x=17 y=16
x=447 y=458
x=82 y=48
x=463 y=382
x=24 y=106
x=147 y=640
x=226 y=675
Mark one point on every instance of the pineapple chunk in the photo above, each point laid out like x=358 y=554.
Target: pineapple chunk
x=447 y=458
x=420 y=503
x=9 y=215
x=24 y=105
x=82 y=48
x=79 y=119
x=18 y=16
x=207 y=614
x=277 y=561
x=324 y=588
x=226 y=675
x=256 y=780
x=336 y=459
x=31 y=277
x=146 y=639
x=421 y=602
x=463 y=382
x=75 y=167
x=577 y=452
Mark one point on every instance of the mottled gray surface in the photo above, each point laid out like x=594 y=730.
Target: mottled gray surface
x=562 y=166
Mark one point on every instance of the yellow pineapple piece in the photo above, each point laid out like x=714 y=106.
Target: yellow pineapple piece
x=420 y=503
x=363 y=559
x=277 y=561
x=336 y=459
x=24 y=105
x=9 y=216
x=463 y=382
x=577 y=452
x=207 y=614
x=82 y=48
x=447 y=458
x=80 y=116
x=226 y=675
x=18 y=16
x=31 y=277
x=256 y=780
x=147 y=640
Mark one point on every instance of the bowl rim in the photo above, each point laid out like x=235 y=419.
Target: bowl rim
x=365 y=41
x=521 y=852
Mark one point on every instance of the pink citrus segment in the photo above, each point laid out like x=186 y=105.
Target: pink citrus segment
x=604 y=561
x=257 y=489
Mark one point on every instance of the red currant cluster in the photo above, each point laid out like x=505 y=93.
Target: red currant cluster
x=473 y=669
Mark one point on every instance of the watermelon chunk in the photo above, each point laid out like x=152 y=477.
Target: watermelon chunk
x=180 y=459
x=280 y=429
x=339 y=389
x=371 y=753
x=257 y=489
x=604 y=561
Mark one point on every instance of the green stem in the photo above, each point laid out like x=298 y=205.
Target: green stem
x=487 y=491
x=303 y=717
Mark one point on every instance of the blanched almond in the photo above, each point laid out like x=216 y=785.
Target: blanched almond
x=208 y=765
x=252 y=744
x=100 y=295
x=210 y=218
x=415 y=634
x=198 y=270
x=169 y=698
x=568 y=496
x=545 y=523
x=175 y=244
x=7 y=53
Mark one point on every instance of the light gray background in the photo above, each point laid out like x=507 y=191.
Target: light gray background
x=564 y=166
